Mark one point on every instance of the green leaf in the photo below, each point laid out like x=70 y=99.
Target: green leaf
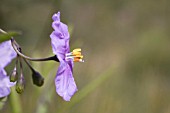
x=7 y=36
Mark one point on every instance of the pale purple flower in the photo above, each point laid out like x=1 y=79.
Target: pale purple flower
x=7 y=53
x=64 y=81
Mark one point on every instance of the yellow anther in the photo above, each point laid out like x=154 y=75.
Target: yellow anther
x=81 y=56
x=76 y=53
x=77 y=50
x=78 y=58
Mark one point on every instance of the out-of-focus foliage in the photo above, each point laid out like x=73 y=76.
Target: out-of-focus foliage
x=3 y=102
x=131 y=35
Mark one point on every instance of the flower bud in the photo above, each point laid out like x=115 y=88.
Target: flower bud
x=20 y=84
x=13 y=75
x=37 y=78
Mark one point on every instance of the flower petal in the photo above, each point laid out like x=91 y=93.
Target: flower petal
x=58 y=45
x=60 y=27
x=64 y=81
x=59 y=37
x=2 y=73
x=4 y=91
x=5 y=84
x=7 y=53
x=56 y=17
x=71 y=64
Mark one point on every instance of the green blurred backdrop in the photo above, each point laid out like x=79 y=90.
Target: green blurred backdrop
x=126 y=44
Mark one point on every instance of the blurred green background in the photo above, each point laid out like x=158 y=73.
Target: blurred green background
x=126 y=44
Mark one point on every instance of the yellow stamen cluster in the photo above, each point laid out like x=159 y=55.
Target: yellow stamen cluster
x=75 y=55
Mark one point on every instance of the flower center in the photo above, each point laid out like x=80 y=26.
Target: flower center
x=75 y=55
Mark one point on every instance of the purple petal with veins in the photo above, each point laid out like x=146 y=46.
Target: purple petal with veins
x=64 y=81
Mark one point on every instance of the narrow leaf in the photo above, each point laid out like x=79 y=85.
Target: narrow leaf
x=7 y=36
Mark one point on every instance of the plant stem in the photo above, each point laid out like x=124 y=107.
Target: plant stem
x=18 y=51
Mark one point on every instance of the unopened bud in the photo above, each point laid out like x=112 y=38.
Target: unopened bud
x=20 y=84
x=37 y=78
x=13 y=75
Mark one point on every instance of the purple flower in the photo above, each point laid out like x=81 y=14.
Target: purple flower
x=64 y=81
x=7 y=53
